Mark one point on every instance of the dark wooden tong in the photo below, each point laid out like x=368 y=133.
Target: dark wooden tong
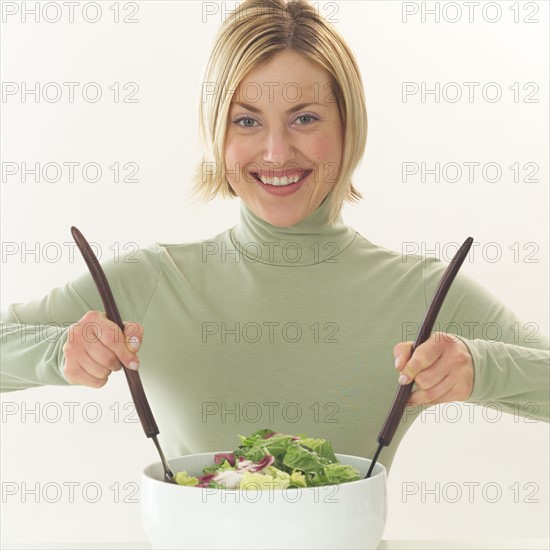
x=403 y=393
x=134 y=381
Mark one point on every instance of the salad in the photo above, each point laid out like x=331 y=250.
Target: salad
x=271 y=460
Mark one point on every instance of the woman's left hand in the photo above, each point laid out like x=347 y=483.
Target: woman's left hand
x=441 y=367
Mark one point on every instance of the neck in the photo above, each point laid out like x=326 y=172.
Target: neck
x=311 y=241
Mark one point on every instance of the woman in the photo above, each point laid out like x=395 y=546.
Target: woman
x=290 y=319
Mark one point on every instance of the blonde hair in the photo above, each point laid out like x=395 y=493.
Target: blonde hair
x=254 y=33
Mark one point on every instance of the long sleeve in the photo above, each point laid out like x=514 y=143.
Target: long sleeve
x=34 y=333
x=510 y=356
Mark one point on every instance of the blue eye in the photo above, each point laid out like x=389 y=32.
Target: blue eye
x=238 y=120
x=308 y=115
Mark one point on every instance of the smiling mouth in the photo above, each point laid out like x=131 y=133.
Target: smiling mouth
x=282 y=181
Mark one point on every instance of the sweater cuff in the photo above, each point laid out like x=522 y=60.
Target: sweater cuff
x=477 y=360
x=60 y=355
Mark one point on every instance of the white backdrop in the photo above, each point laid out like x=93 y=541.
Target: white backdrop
x=71 y=472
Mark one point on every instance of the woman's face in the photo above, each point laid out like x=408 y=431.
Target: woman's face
x=284 y=121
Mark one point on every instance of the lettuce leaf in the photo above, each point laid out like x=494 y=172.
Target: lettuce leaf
x=183 y=478
x=309 y=462
x=263 y=481
x=321 y=446
x=341 y=473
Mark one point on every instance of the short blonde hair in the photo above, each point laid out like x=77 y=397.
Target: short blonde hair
x=254 y=33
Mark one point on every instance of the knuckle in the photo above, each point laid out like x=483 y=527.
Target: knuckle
x=97 y=376
x=67 y=349
x=429 y=394
x=92 y=316
x=74 y=335
x=124 y=353
x=116 y=336
x=99 y=382
x=110 y=333
x=105 y=357
x=115 y=363
x=68 y=367
x=68 y=371
x=73 y=373
x=414 y=364
x=401 y=348
x=464 y=357
x=423 y=381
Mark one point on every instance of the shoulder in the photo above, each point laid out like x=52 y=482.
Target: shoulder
x=130 y=260
x=131 y=271
x=192 y=252
x=382 y=257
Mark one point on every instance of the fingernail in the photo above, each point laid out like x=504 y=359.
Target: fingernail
x=134 y=365
x=403 y=379
x=134 y=342
x=397 y=359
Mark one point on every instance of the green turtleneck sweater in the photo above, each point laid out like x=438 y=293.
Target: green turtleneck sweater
x=286 y=328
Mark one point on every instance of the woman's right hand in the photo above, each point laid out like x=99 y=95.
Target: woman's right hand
x=96 y=347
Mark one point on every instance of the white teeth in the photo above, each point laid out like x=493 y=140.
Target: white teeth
x=280 y=181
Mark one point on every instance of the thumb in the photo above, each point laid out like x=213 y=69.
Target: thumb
x=402 y=353
x=132 y=336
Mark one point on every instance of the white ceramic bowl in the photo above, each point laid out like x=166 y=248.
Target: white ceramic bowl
x=349 y=515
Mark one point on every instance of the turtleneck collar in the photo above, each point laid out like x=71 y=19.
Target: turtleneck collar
x=311 y=241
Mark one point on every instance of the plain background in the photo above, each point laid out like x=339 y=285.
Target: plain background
x=100 y=452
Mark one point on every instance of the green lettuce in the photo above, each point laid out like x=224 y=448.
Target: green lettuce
x=298 y=461
x=182 y=478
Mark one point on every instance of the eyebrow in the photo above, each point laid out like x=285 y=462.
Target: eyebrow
x=291 y=110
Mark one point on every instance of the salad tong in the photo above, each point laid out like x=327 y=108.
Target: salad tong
x=403 y=393
x=134 y=381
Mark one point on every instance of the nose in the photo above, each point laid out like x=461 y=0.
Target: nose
x=278 y=147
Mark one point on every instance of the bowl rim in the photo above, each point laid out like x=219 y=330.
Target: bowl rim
x=147 y=477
